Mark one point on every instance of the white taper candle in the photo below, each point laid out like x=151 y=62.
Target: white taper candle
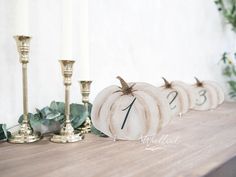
x=22 y=18
x=66 y=33
x=84 y=64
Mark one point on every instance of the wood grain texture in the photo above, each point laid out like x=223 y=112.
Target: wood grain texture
x=199 y=142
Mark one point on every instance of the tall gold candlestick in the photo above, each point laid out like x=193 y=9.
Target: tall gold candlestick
x=26 y=133
x=67 y=133
x=85 y=91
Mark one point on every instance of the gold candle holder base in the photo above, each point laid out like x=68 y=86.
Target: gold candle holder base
x=67 y=133
x=85 y=91
x=24 y=138
x=86 y=127
x=67 y=138
x=25 y=135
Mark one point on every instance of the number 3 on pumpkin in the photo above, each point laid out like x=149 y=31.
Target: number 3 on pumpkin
x=202 y=94
x=127 y=114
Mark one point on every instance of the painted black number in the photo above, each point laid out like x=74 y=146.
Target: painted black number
x=202 y=94
x=127 y=114
x=173 y=95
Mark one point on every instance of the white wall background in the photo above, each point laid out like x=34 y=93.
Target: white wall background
x=140 y=40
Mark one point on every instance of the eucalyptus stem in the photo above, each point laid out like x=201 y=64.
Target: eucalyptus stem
x=228 y=10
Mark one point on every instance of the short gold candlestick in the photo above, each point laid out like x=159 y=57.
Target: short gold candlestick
x=85 y=91
x=26 y=133
x=67 y=133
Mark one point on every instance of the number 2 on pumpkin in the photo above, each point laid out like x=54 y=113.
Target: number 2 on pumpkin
x=127 y=114
x=175 y=94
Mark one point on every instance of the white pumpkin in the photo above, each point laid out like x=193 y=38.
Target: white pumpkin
x=177 y=97
x=128 y=112
x=208 y=95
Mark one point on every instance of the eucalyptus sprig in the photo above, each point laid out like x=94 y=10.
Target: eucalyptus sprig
x=51 y=118
x=229 y=71
x=228 y=9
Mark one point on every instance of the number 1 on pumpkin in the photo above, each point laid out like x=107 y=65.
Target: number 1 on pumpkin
x=127 y=114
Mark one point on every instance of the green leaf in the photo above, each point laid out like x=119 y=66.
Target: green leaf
x=48 y=113
x=233 y=9
x=227 y=71
x=53 y=105
x=3 y=132
x=97 y=132
x=37 y=116
x=45 y=112
x=58 y=106
x=78 y=115
x=90 y=106
x=39 y=113
x=232 y=94
x=233 y=70
x=224 y=57
x=232 y=85
x=76 y=109
x=8 y=134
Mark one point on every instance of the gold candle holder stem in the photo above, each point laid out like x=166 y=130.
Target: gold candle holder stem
x=25 y=91
x=26 y=133
x=67 y=104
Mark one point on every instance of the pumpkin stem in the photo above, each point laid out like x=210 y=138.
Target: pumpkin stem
x=167 y=84
x=199 y=83
x=125 y=88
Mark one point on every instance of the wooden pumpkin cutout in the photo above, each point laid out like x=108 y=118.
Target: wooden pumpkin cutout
x=208 y=95
x=177 y=98
x=127 y=112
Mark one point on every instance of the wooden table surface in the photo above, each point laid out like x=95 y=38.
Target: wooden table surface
x=190 y=146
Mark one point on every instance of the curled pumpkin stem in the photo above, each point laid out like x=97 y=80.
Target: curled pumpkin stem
x=198 y=82
x=167 y=84
x=125 y=88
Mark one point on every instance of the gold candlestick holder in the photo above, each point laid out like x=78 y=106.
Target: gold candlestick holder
x=85 y=91
x=67 y=133
x=26 y=133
